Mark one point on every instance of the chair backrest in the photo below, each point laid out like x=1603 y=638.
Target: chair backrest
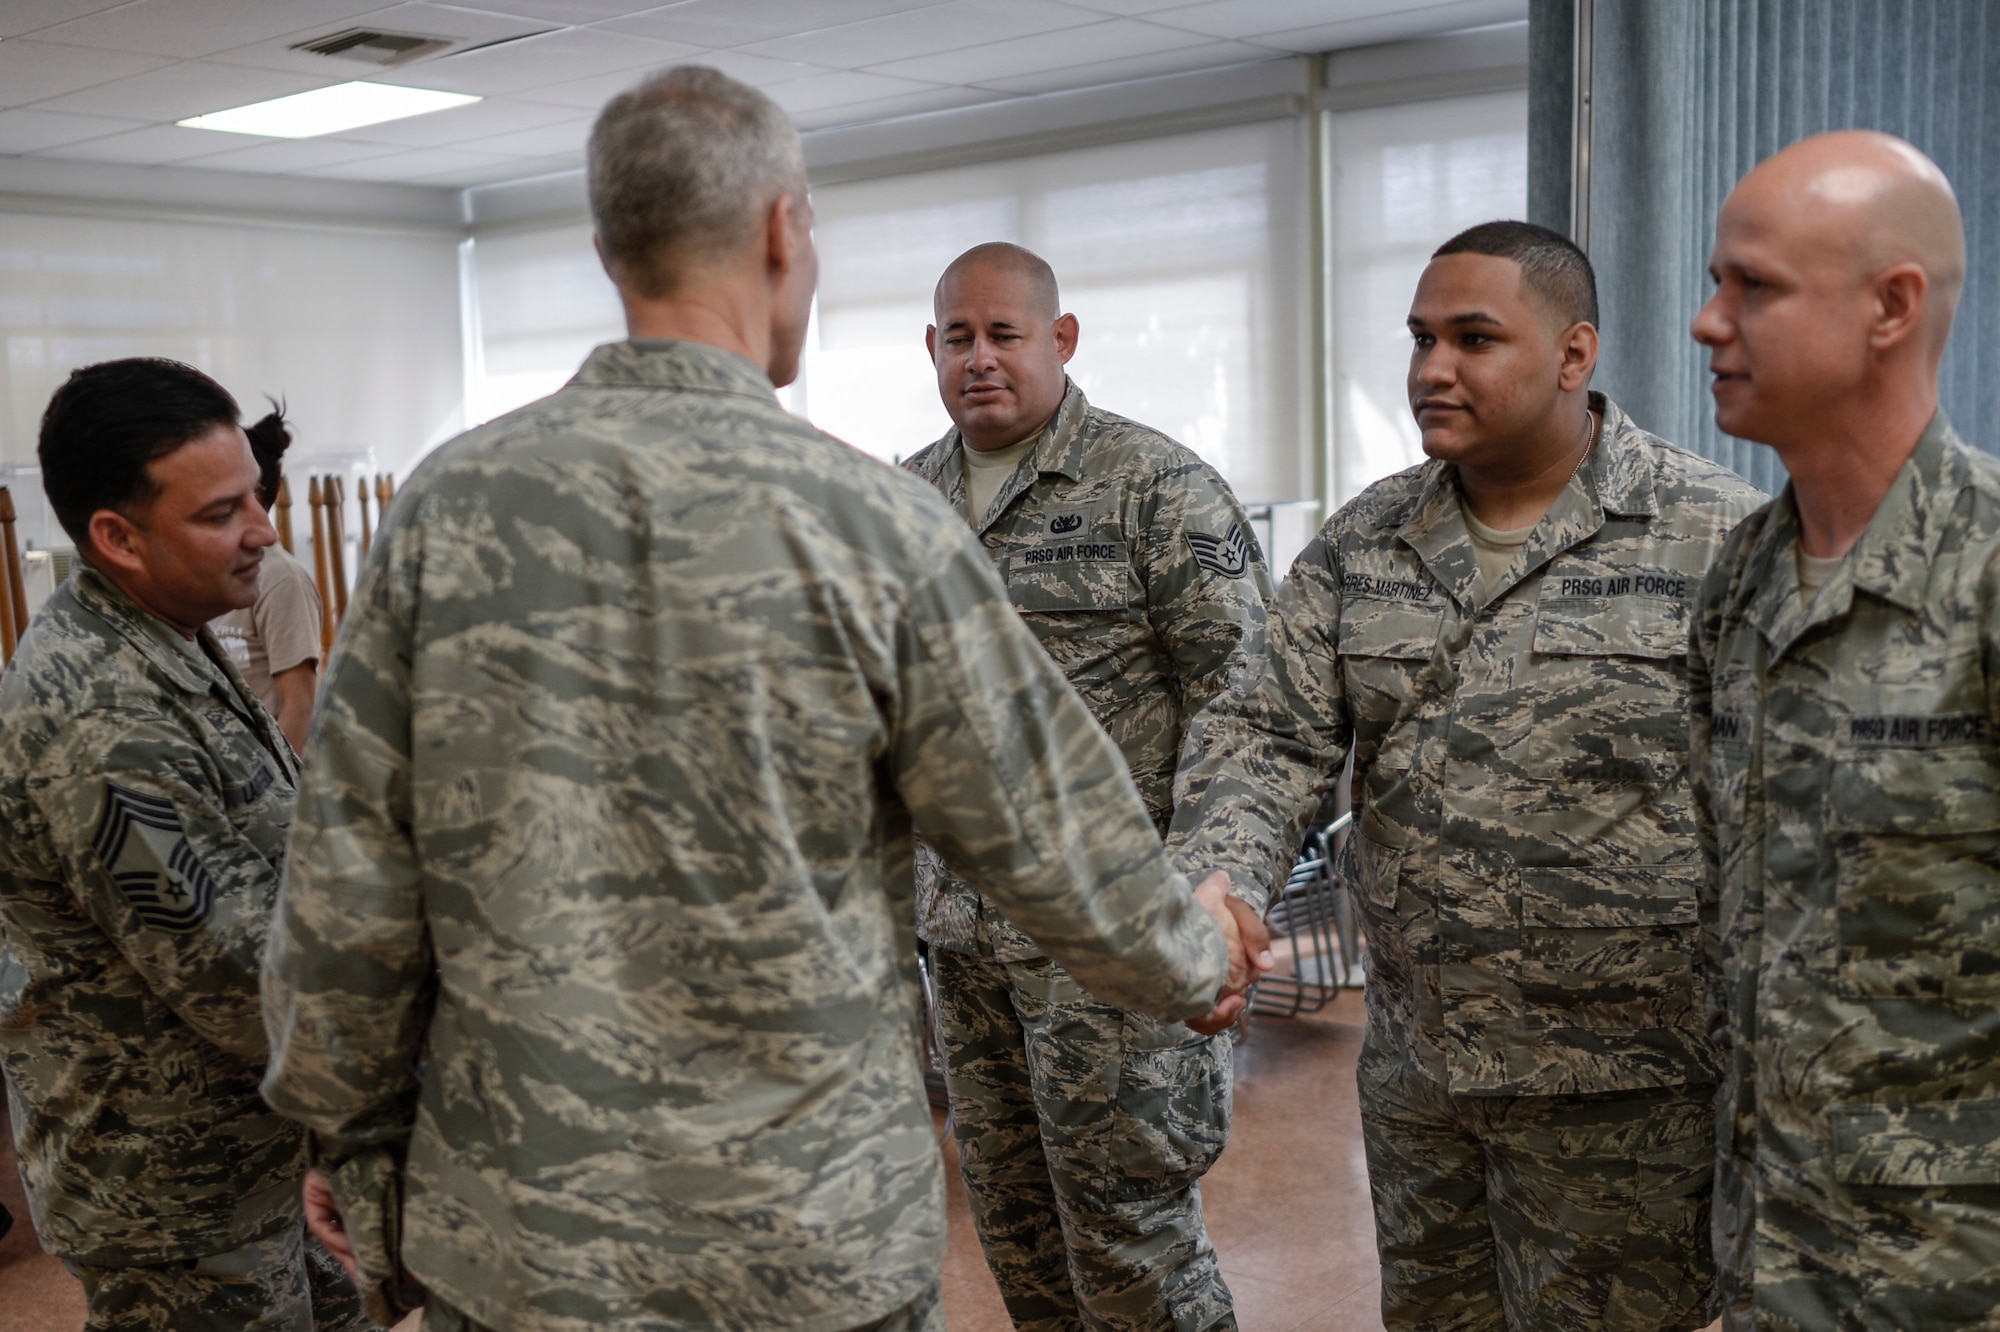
x=284 y=508
x=13 y=591
x=320 y=568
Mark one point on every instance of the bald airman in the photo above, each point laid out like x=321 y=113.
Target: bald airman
x=1846 y=709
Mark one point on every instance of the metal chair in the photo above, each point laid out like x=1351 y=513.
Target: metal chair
x=1313 y=933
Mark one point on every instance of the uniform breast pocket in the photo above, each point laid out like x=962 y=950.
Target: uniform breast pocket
x=1609 y=948
x=1916 y=842
x=1609 y=678
x=1384 y=648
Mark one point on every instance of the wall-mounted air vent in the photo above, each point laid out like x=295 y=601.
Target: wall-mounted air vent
x=375 y=47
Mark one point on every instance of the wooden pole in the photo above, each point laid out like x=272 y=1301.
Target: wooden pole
x=284 y=507
x=15 y=587
x=8 y=638
x=320 y=569
x=336 y=542
x=367 y=532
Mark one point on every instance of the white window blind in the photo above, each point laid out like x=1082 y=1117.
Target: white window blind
x=1406 y=179
x=536 y=303
x=358 y=331
x=1181 y=256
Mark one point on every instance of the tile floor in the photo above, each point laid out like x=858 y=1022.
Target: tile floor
x=1287 y=1205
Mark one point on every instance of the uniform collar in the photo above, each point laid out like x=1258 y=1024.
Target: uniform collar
x=674 y=363
x=1892 y=560
x=1616 y=480
x=178 y=658
x=196 y=666
x=1060 y=450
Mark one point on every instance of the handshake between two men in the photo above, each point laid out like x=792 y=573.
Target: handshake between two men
x=1249 y=952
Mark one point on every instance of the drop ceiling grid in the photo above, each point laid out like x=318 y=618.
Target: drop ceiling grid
x=98 y=81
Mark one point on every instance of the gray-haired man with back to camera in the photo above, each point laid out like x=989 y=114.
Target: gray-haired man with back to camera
x=609 y=810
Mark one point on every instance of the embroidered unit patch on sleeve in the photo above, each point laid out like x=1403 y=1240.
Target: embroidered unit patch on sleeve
x=140 y=841
x=1226 y=555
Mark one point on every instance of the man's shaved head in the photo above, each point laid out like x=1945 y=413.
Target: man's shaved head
x=1874 y=200
x=1013 y=260
x=1838 y=266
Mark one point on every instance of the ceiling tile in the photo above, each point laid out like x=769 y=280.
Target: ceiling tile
x=1253 y=18
x=737 y=22
x=191 y=28
x=534 y=62
x=513 y=169
x=409 y=165
x=909 y=104
x=564 y=140
x=592 y=93
x=842 y=87
x=757 y=71
x=19 y=16
x=440 y=129
x=1393 y=26
x=1206 y=56
x=561 y=11
x=1128 y=7
x=26 y=131
x=1117 y=39
x=31 y=70
x=192 y=88
x=292 y=155
x=150 y=146
x=918 y=32
x=464 y=27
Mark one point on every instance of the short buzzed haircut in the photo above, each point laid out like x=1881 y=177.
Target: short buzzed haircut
x=1551 y=264
x=108 y=421
x=682 y=169
x=1008 y=258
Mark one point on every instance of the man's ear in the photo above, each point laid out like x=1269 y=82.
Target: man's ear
x=784 y=234
x=1579 y=356
x=1901 y=293
x=1066 y=337
x=930 y=341
x=114 y=540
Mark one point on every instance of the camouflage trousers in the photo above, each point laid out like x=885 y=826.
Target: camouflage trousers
x=1538 y=1212
x=1083 y=1132
x=923 y=1314
x=284 y=1283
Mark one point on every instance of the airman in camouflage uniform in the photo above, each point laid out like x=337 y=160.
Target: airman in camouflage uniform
x=1846 y=759
x=146 y=797
x=1134 y=565
x=1535 y=1075
x=608 y=821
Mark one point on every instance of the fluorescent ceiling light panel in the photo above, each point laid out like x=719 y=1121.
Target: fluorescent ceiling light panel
x=344 y=106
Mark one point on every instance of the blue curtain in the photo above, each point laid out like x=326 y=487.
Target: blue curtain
x=1688 y=96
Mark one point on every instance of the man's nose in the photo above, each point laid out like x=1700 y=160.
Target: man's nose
x=1433 y=367
x=1710 y=327
x=260 y=533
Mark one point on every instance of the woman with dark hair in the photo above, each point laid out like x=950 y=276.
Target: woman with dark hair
x=275 y=642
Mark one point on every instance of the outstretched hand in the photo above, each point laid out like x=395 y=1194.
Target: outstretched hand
x=1249 y=951
x=323 y=1220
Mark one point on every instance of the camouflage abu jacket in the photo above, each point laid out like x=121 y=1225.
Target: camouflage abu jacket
x=1138 y=571
x=608 y=818
x=1847 y=763
x=145 y=796
x=1525 y=857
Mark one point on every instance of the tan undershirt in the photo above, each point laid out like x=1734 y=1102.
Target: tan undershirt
x=1493 y=548
x=1815 y=572
x=985 y=473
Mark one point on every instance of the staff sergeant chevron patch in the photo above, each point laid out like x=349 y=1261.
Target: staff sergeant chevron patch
x=140 y=842
x=1227 y=555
